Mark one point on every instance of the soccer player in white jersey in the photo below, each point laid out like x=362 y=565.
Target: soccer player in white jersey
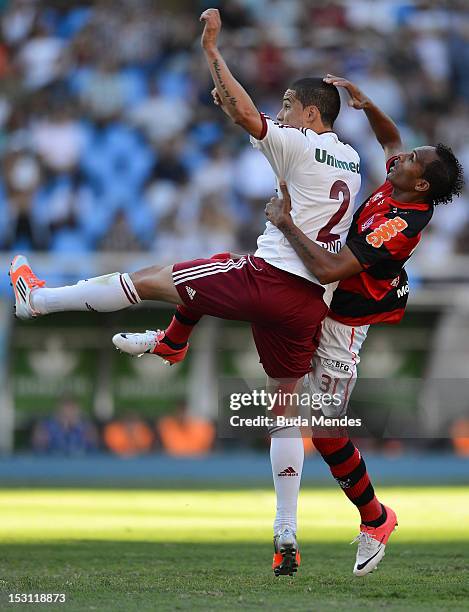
x=272 y=289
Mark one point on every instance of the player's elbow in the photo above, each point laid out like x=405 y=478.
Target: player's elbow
x=392 y=147
x=327 y=275
x=325 y=278
x=241 y=116
x=250 y=120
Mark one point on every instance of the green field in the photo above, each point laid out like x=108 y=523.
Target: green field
x=211 y=550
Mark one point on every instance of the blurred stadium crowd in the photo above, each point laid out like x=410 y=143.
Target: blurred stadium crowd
x=70 y=432
x=110 y=140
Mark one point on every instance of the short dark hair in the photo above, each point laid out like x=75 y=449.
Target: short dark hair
x=314 y=92
x=445 y=175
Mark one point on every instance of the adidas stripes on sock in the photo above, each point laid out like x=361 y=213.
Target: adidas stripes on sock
x=349 y=469
x=101 y=294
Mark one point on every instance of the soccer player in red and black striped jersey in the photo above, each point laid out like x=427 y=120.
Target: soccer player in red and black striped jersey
x=372 y=288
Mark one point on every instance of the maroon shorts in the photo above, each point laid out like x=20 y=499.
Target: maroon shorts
x=285 y=310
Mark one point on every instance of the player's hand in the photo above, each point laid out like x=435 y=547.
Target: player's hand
x=212 y=20
x=357 y=99
x=218 y=101
x=278 y=210
x=216 y=98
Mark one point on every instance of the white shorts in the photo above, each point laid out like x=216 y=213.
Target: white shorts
x=334 y=365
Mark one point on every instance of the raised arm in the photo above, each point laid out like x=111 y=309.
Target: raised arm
x=326 y=267
x=232 y=96
x=386 y=131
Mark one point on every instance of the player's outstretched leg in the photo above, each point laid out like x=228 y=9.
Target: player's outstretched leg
x=171 y=344
x=101 y=294
x=377 y=521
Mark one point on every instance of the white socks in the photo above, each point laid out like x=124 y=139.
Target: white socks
x=287 y=457
x=101 y=294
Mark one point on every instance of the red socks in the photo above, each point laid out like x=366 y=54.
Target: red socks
x=181 y=326
x=349 y=469
x=179 y=330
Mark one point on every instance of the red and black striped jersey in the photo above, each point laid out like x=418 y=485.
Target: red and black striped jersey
x=383 y=235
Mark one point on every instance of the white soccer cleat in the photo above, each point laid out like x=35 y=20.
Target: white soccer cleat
x=372 y=543
x=24 y=282
x=137 y=343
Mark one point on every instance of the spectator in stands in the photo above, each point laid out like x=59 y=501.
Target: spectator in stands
x=215 y=174
x=121 y=237
x=103 y=91
x=161 y=116
x=169 y=166
x=216 y=228
x=128 y=436
x=22 y=174
x=67 y=432
x=182 y=434
x=18 y=21
x=42 y=58
x=459 y=432
x=58 y=138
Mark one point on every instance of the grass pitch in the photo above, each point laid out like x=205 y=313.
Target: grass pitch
x=211 y=550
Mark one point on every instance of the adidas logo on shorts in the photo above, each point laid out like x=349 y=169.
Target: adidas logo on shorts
x=191 y=292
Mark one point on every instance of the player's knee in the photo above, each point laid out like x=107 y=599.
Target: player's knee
x=146 y=282
x=156 y=283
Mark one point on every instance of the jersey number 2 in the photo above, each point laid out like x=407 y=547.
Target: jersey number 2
x=325 y=234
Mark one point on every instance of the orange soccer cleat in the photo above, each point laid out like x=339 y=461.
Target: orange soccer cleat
x=287 y=556
x=24 y=282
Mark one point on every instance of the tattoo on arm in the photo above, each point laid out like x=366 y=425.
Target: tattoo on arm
x=298 y=244
x=326 y=266
x=231 y=99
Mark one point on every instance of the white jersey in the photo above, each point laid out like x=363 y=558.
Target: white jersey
x=323 y=179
